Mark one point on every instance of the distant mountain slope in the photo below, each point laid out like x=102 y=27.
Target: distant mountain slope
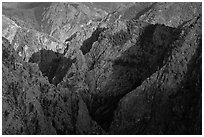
x=28 y=41
x=61 y=20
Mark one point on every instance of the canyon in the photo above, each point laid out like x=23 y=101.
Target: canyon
x=102 y=68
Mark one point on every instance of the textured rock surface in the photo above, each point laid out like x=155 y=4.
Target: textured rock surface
x=28 y=41
x=164 y=103
x=59 y=20
x=31 y=105
x=88 y=68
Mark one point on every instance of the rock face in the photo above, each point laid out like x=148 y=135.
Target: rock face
x=28 y=41
x=31 y=105
x=165 y=102
x=87 y=68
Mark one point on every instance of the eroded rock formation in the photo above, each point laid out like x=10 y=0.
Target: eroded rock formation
x=129 y=71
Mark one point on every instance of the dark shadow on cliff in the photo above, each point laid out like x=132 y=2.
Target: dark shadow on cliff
x=129 y=70
x=52 y=64
x=87 y=44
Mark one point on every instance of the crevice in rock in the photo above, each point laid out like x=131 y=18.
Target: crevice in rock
x=67 y=42
x=87 y=44
x=71 y=37
x=74 y=5
x=52 y=64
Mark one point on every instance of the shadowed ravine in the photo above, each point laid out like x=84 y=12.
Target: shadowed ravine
x=52 y=64
x=131 y=68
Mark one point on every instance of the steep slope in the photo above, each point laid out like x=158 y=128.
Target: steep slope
x=123 y=57
x=138 y=73
x=168 y=102
x=61 y=20
x=28 y=40
x=172 y=14
x=56 y=19
x=127 y=69
x=31 y=105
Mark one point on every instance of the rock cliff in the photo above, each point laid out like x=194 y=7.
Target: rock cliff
x=89 y=68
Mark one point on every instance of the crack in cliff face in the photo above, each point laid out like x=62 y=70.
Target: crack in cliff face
x=87 y=44
x=52 y=64
x=131 y=68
